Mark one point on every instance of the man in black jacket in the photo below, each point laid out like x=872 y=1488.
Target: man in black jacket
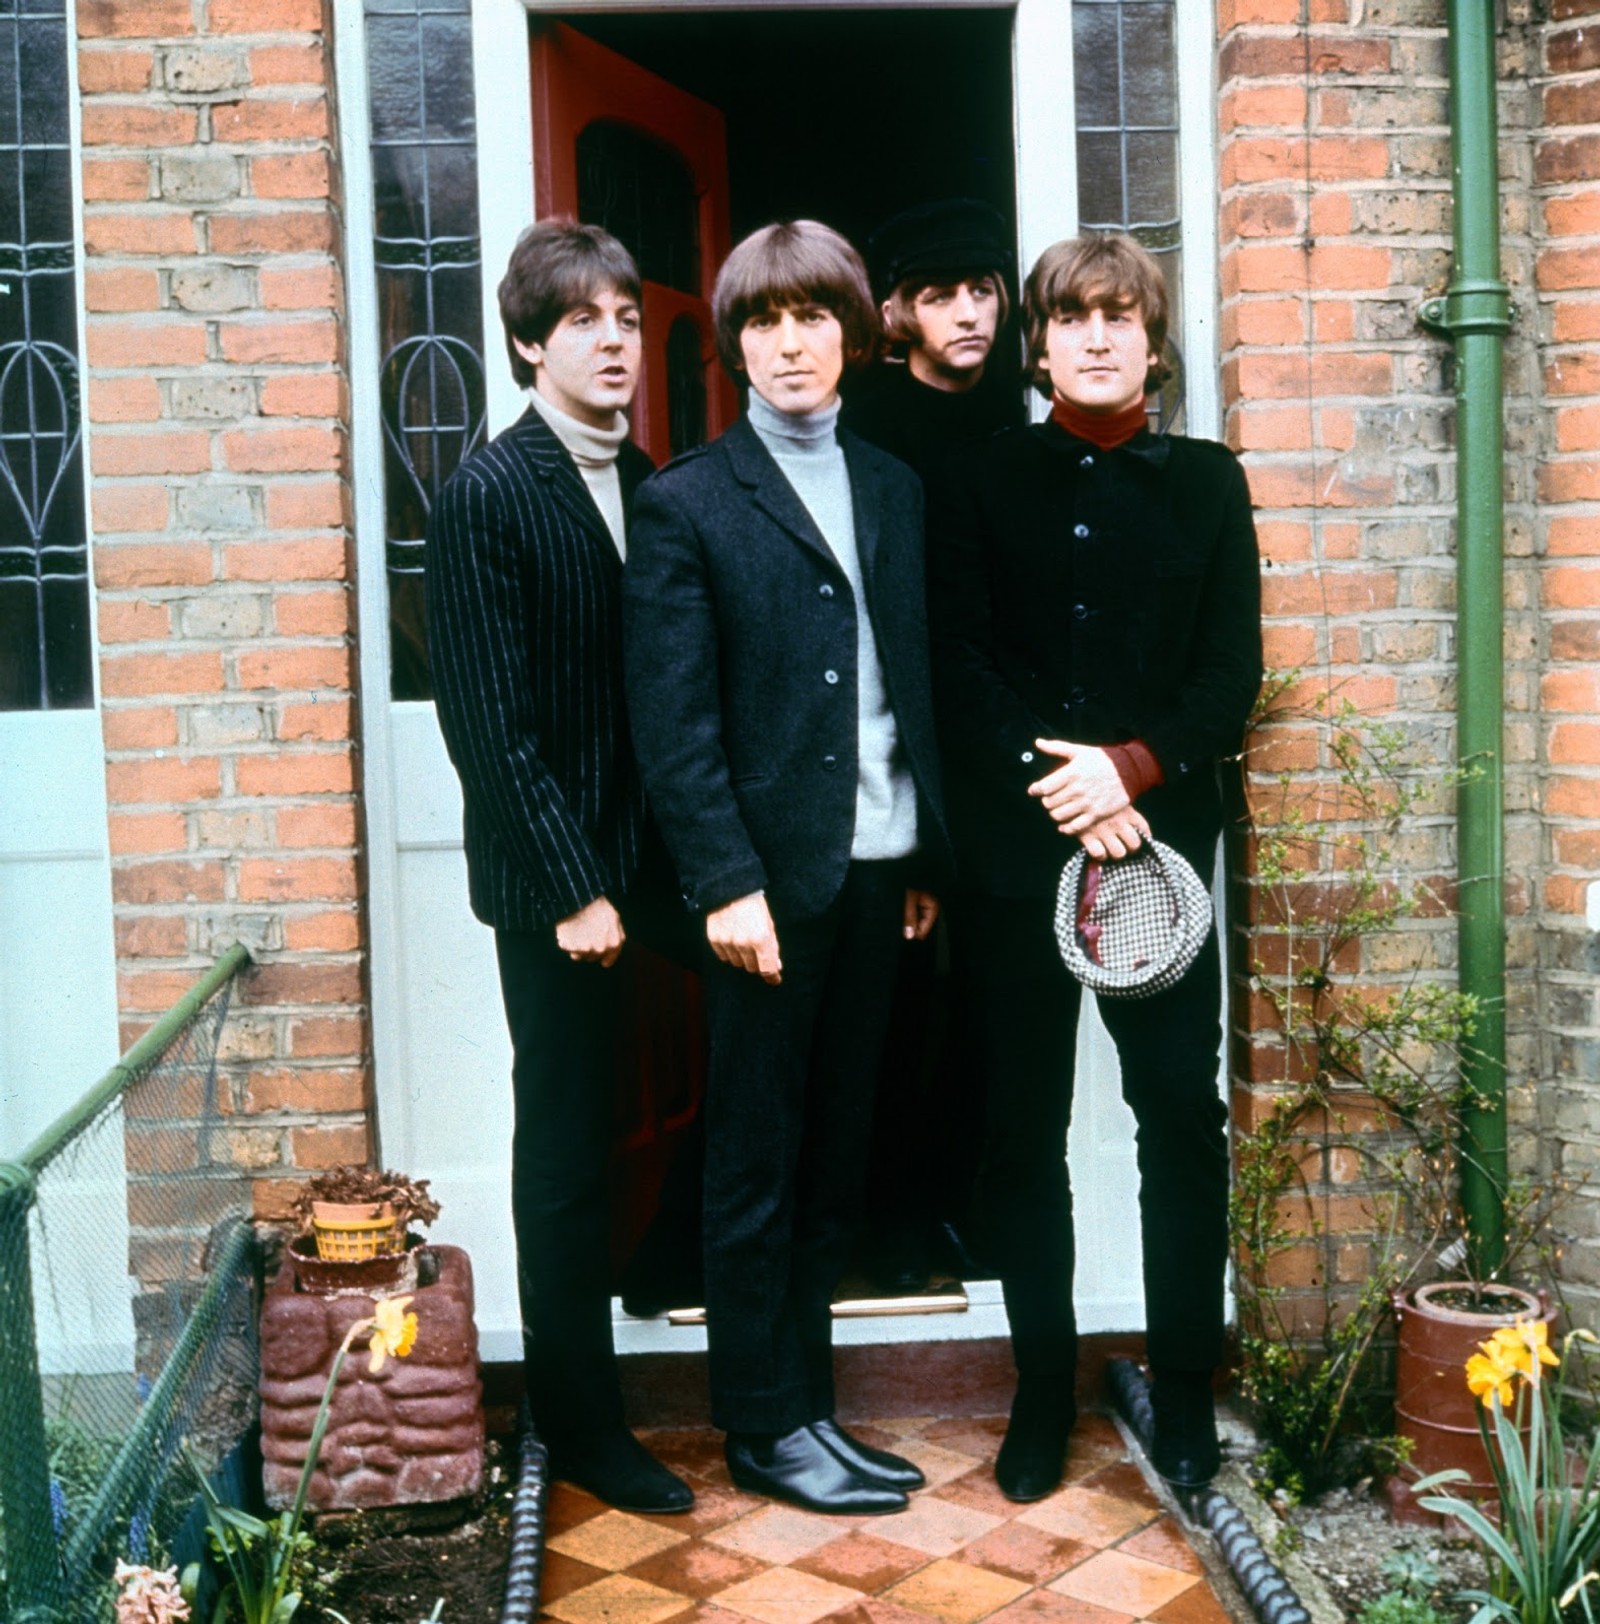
x=778 y=684
x=524 y=584
x=1096 y=617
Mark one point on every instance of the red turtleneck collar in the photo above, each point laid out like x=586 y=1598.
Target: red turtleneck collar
x=1098 y=428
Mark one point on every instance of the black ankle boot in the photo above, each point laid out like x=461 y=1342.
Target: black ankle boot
x=615 y=1467
x=1184 y=1448
x=1034 y=1454
x=895 y=1470
x=800 y=1468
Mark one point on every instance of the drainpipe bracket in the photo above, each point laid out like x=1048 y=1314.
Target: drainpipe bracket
x=1469 y=307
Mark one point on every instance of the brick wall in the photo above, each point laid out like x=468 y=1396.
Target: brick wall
x=1564 y=310
x=1336 y=211
x=217 y=404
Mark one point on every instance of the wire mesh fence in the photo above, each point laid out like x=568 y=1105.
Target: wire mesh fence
x=128 y=1280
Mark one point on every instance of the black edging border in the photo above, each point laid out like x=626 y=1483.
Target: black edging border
x=525 y=1568
x=1264 y=1585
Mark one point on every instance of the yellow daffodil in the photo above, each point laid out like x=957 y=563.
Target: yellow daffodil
x=1489 y=1373
x=1526 y=1346
x=393 y=1331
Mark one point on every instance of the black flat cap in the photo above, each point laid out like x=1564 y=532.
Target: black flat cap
x=956 y=236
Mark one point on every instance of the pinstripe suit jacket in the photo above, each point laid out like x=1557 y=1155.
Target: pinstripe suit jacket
x=524 y=595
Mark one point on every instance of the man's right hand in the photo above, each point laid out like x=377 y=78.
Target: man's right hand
x=593 y=935
x=742 y=934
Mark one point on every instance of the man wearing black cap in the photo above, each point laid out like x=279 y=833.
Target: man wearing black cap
x=940 y=272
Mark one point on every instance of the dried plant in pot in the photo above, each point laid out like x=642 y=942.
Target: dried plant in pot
x=357 y=1214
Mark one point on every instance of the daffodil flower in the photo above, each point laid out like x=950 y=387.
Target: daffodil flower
x=1526 y=1346
x=394 y=1331
x=1489 y=1373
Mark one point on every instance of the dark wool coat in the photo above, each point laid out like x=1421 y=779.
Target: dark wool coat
x=741 y=663
x=1096 y=596
x=524 y=606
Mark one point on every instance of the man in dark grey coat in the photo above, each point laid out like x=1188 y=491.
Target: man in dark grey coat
x=524 y=583
x=778 y=682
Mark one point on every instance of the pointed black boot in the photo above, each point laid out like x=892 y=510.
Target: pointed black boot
x=800 y=1468
x=895 y=1470
x=1034 y=1455
x=1184 y=1447
x=615 y=1467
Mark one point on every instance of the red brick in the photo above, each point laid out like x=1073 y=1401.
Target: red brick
x=134 y=19
x=1577 y=372
x=150 y=727
x=294 y=668
x=1233 y=13
x=271 y=118
x=1572 y=797
x=151 y=990
x=116 y=180
x=1577 y=158
x=1333 y=592
x=173 y=563
x=151 y=780
x=307 y=1091
x=322 y=824
x=151 y=936
x=312 y=614
x=1573 y=102
x=283 y=451
x=1286 y=55
x=140 y=834
x=1331 y=214
x=1577 y=428
x=328 y=1146
x=324 y=772
x=1285 y=376
x=298 y=879
x=120 y=68
x=1263 y=268
x=1575 y=640
x=334 y=931
x=1578 y=848
x=137 y=124
x=1347 y=265
x=265 y=16
x=1560 y=268
x=1333 y=321
x=171 y=451
x=1572 y=50
x=1278 y=105
x=157 y=232
x=1276 y=427
x=306 y=504
x=135 y=620
x=303 y=394
x=295 y=174
x=316 y=983
x=125 y=508
x=1573 y=536
x=272 y=1200
x=288 y=231
x=115 y=343
x=1570 y=586
x=1270 y=321
x=299 y=559
x=325 y=720
x=307 y=287
x=1575 y=744
x=287 y=65
x=157 y=882
x=250 y=342
x=1570 y=691
x=120 y=290
x=124 y=400
x=129 y=675
x=1574 y=215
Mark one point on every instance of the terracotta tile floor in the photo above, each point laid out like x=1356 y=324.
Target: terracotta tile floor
x=1099 y=1551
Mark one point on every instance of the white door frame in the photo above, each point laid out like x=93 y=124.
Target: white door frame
x=1046 y=181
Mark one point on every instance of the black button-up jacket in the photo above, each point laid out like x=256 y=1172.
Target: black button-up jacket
x=1096 y=596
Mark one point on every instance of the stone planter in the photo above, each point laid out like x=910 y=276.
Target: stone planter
x=410 y=1435
x=386 y=1275
x=1433 y=1407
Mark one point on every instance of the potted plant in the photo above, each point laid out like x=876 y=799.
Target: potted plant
x=354 y=1225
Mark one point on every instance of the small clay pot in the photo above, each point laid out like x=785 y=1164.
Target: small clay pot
x=347 y=1231
x=380 y=1276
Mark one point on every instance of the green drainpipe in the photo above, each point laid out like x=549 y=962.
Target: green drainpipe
x=1476 y=312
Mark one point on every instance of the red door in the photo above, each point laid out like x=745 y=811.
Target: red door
x=619 y=147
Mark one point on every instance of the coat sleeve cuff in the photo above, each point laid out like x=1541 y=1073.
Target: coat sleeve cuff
x=1136 y=766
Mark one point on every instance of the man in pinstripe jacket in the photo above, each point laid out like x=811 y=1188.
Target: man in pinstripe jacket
x=524 y=581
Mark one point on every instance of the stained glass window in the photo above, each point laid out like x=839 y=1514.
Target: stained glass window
x=45 y=657
x=642 y=193
x=425 y=227
x=1126 y=62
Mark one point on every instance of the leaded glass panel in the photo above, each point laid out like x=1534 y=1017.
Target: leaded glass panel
x=45 y=656
x=686 y=387
x=428 y=255
x=1126 y=78
x=643 y=193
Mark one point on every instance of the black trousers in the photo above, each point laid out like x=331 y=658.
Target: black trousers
x=1169 y=1046
x=788 y=1114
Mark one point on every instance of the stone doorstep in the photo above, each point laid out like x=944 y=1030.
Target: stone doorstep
x=411 y=1434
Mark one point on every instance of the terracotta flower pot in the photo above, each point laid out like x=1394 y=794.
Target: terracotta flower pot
x=1434 y=1408
x=347 y=1232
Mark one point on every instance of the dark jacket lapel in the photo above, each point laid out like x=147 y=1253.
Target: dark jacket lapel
x=866 y=502
x=554 y=465
x=754 y=467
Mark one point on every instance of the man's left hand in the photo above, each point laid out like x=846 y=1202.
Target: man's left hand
x=1083 y=791
x=922 y=909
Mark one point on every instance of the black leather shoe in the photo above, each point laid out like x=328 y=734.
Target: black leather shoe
x=1034 y=1455
x=615 y=1467
x=879 y=1464
x=1183 y=1446
x=800 y=1468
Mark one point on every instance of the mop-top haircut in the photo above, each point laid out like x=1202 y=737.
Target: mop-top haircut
x=784 y=267
x=1100 y=271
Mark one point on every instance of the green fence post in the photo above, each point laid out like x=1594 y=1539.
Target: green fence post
x=33 y=1575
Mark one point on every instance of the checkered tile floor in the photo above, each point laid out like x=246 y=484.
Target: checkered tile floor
x=1099 y=1551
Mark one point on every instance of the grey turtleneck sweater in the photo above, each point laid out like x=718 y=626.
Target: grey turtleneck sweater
x=806 y=448
x=595 y=451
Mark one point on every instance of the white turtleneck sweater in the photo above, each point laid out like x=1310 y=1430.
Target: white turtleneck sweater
x=806 y=448
x=595 y=452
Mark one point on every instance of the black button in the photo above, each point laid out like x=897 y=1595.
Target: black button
x=1080 y=611
x=829 y=763
x=1183 y=766
x=830 y=677
x=1081 y=531
x=824 y=591
x=1086 y=462
x=1079 y=695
